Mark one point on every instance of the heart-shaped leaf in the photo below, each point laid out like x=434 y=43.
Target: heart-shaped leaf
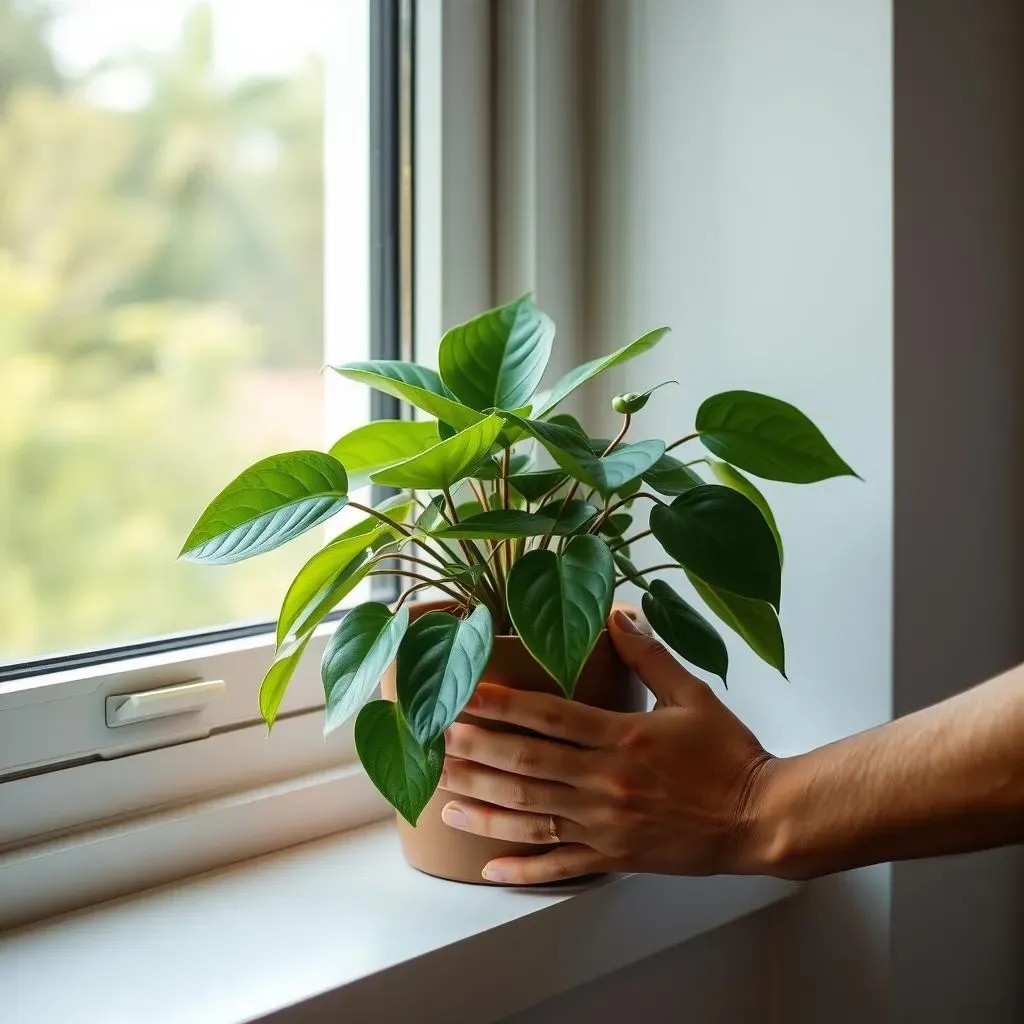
x=684 y=629
x=278 y=676
x=721 y=536
x=574 y=378
x=533 y=486
x=754 y=621
x=767 y=437
x=496 y=360
x=729 y=476
x=377 y=445
x=440 y=661
x=569 y=516
x=418 y=385
x=447 y=462
x=616 y=525
x=272 y=502
x=364 y=644
x=559 y=604
x=670 y=476
x=405 y=772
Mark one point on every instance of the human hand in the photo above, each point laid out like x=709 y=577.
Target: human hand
x=672 y=791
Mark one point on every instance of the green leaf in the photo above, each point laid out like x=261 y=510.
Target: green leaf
x=721 y=536
x=559 y=604
x=272 y=502
x=568 y=517
x=767 y=437
x=440 y=662
x=684 y=629
x=564 y=419
x=380 y=444
x=278 y=676
x=533 y=486
x=669 y=476
x=574 y=378
x=616 y=525
x=431 y=515
x=405 y=772
x=754 y=621
x=732 y=477
x=498 y=524
x=412 y=383
x=574 y=453
x=364 y=644
x=490 y=468
x=629 y=570
x=447 y=462
x=496 y=360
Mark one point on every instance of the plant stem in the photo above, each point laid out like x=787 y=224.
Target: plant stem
x=425 y=580
x=682 y=440
x=603 y=517
x=626 y=419
x=658 y=568
x=408 y=593
x=624 y=542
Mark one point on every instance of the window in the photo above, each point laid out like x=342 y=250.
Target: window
x=202 y=202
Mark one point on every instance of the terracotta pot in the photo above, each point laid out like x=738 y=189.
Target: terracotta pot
x=605 y=682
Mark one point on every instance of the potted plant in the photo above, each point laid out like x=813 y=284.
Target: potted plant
x=523 y=523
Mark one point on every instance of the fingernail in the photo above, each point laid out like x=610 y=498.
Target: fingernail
x=454 y=815
x=625 y=623
x=496 y=874
x=474 y=701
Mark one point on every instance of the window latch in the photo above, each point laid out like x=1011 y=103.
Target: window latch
x=185 y=698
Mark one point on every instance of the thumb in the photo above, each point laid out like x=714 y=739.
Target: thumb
x=652 y=662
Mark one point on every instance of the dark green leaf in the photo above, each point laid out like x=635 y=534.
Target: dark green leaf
x=269 y=504
x=559 y=604
x=380 y=444
x=684 y=629
x=721 y=536
x=533 y=486
x=405 y=772
x=278 y=676
x=440 y=662
x=568 y=517
x=767 y=437
x=629 y=570
x=731 y=477
x=362 y=647
x=563 y=419
x=669 y=476
x=616 y=525
x=496 y=360
x=498 y=524
x=755 y=621
x=572 y=380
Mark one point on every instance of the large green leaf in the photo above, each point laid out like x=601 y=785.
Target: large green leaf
x=684 y=629
x=405 y=772
x=754 y=621
x=559 y=604
x=447 y=462
x=499 y=524
x=533 y=486
x=729 y=476
x=278 y=676
x=412 y=383
x=670 y=476
x=574 y=452
x=440 y=661
x=767 y=437
x=271 y=503
x=382 y=443
x=364 y=644
x=574 y=378
x=721 y=536
x=496 y=360
x=569 y=517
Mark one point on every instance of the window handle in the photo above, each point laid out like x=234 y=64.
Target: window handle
x=185 y=698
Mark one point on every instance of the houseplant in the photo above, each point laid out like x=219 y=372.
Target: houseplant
x=527 y=553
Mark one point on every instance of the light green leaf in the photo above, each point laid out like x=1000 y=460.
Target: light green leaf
x=767 y=437
x=272 y=502
x=447 y=462
x=684 y=629
x=496 y=360
x=405 y=773
x=498 y=524
x=440 y=661
x=364 y=644
x=572 y=380
x=754 y=621
x=431 y=515
x=729 y=476
x=569 y=517
x=278 y=676
x=669 y=476
x=559 y=605
x=412 y=383
x=721 y=536
x=380 y=444
x=533 y=486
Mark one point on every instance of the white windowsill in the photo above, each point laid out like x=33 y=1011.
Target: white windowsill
x=340 y=929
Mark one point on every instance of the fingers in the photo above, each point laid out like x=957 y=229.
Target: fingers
x=568 y=861
x=514 y=826
x=652 y=662
x=514 y=792
x=521 y=755
x=549 y=715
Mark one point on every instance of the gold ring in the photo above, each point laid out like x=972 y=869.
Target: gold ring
x=553 y=829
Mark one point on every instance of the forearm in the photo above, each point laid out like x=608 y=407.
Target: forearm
x=948 y=779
